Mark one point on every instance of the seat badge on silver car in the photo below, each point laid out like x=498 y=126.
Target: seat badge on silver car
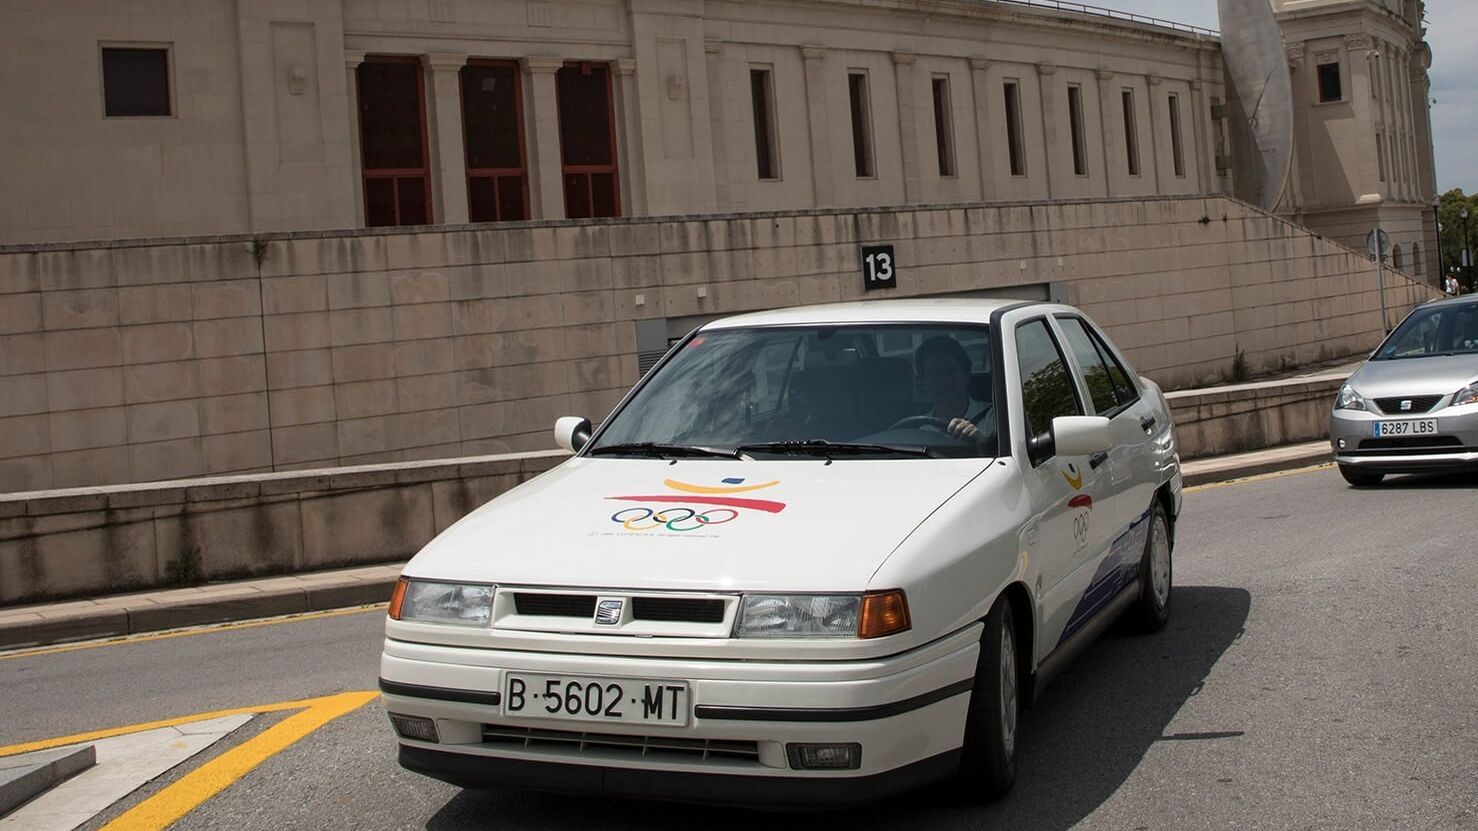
x=608 y=612
x=1405 y=405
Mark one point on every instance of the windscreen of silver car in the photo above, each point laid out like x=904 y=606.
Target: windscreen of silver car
x=1443 y=329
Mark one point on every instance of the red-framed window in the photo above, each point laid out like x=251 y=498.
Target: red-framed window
x=492 y=127
x=587 y=140
x=392 y=142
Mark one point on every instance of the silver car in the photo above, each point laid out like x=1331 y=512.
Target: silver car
x=1413 y=407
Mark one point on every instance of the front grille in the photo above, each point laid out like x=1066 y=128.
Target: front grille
x=1410 y=442
x=646 y=747
x=1419 y=404
x=664 y=609
x=554 y=605
x=683 y=609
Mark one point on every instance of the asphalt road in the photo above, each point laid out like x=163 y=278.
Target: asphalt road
x=1320 y=671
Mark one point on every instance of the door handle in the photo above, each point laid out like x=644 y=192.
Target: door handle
x=1097 y=459
x=1147 y=423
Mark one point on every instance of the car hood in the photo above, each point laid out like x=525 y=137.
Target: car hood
x=1437 y=375
x=792 y=525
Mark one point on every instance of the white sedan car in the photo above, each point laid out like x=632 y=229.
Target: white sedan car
x=817 y=556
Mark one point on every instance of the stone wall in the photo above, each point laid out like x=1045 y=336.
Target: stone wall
x=129 y=537
x=164 y=359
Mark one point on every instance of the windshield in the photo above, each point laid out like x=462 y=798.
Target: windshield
x=1448 y=329
x=836 y=390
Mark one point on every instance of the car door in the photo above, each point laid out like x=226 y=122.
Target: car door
x=1109 y=391
x=1062 y=538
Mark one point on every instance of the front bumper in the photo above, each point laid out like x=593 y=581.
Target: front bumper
x=907 y=712
x=1454 y=447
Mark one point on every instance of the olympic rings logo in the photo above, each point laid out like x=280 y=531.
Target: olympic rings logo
x=673 y=519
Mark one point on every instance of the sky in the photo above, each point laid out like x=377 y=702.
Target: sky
x=1452 y=30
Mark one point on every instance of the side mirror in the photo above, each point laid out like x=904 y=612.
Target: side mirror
x=1081 y=435
x=571 y=433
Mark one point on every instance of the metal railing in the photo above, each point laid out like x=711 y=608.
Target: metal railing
x=1100 y=11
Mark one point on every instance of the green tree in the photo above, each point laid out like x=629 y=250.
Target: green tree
x=1450 y=213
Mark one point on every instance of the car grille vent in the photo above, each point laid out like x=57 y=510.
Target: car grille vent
x=703 y=750
x=1419 y=404
x=663 y=609
x=1410 y=442
x=554 y=605
x=684 y=609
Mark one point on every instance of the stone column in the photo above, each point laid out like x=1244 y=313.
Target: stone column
x=541 y=131
x=1046 y=85
x=908 y=126
x=985 y=140
x=717 y=99
x=629 y=147
x=1204 y=164
x=449 y=154
x=821 y=149
x=1361 y=80
x=1157 y=125
x=352 y=60
x=1113 y=152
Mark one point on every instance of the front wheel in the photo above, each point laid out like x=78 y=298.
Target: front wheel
x=1360 y=478
x=988 y=762
x=1151 y=610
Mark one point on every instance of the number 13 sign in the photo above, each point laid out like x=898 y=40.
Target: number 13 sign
x=878 y=269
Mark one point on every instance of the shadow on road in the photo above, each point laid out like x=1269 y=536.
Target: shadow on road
x=1427 y=481
x=1081 y=741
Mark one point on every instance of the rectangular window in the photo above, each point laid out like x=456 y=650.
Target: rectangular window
x=1330 y=88
x=392 y=142
x=1047 y=390
x=1108 y=384
x=944 y=126
x=1380 y=155
x=1015 y=141
x=1177 y=144
x=587 y=140
x=861 y=124
x=762 y=95
x=492 y=126
x=135 y=81
x=1075 y=122
x=1131 y=132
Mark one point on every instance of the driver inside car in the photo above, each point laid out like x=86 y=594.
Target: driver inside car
x=944 y=370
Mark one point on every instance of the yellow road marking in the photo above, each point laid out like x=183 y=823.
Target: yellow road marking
x=185 y=633
x=95 y=735
x=192 y=790
x=1277 y=474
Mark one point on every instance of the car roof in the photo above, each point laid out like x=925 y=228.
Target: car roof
x=1457 y=300
x=919 y=310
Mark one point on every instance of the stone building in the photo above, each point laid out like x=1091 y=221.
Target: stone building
x=146 y=119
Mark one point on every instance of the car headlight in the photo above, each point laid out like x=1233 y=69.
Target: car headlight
x=1349 y=399
x=1466 y=395
x=430 y=602
x=872 y=615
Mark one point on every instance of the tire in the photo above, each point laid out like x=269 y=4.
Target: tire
x=992 y=725
x=1151 y=610
x=1360 y=479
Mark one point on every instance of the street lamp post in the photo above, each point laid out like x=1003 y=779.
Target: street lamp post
x=1467 y=253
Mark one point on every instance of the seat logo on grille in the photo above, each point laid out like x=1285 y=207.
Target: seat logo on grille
x=608 y=612
x=1406 y=404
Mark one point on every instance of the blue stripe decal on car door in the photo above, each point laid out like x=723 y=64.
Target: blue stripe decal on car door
x=1115 y=572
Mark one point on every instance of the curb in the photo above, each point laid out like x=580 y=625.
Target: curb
x=1232 y=468
x=226 y=603
x=27 y=776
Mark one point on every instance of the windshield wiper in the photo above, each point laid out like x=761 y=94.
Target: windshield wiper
x=824 y=448
x=664 y=451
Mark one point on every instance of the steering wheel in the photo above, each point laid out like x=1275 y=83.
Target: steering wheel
x=919 y=422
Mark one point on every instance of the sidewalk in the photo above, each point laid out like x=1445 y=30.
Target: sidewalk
x=127 y=614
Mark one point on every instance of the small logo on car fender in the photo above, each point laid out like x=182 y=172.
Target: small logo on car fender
x=1073 y=476
x=608 y=612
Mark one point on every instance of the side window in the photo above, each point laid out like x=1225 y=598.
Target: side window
x=1046 y=390
x=1108 y=384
